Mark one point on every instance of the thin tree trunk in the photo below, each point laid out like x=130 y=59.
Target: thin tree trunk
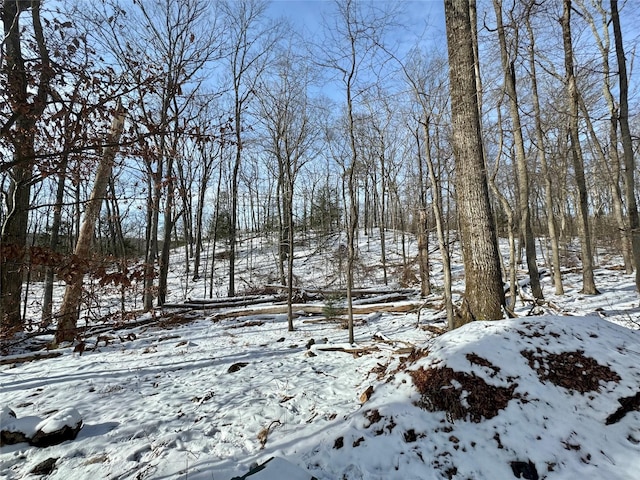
x=542 y=155
x=383 y=220
x=70 y=308
x=511 y=224
x=508 y=66
x=168 y=225
x=443 y=243
x=47 y=301
x=588 y=283
x=627 y=145
x=612 y=164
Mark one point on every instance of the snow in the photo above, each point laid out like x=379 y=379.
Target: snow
x=159 y=400
x=69 y=417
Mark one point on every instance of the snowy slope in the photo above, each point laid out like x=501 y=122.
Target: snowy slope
x=190 y=397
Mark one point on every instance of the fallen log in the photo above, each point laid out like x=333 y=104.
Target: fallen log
x=319 y=309
x=28 y=358
x=356 y=292
x=204 y=304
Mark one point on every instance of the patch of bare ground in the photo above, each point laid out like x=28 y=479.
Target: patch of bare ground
x=571 y=370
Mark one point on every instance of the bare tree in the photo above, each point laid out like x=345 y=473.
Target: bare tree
x=70 y=309
x=27 y=94
x=250 y=42
x=287 y=114
x=522 y=172
x=428 y=85
x=588 y=283
x=627 y=144
x=540 y=147
x=484 y=296
x=353 y=41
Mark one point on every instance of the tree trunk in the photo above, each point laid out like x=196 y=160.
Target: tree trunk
x=612 y=162
x=484 y=296
x=542 y=155
x=70 y=308
x=168 y=224
x=47 y=301
x=27 y=108
x=522 y=173
x=443 y=244
x=513 y=280
x=627 y=145
x=588 y=283
x=234 y=204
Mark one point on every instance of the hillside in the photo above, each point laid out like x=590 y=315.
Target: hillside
x=194 y=394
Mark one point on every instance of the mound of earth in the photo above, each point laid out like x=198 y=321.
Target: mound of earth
x=534 y=398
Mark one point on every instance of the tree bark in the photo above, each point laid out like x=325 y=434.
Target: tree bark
x=627 y=145
x=27 y=107
x=436 y=186
x=542 y=155
x=588 y=283
x=484 y=295
x=508 y=66
x=69 y=311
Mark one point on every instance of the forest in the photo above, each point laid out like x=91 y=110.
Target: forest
x=131 y=128
x=350 y=239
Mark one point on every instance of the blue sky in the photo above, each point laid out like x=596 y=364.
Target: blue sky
x=308 y=14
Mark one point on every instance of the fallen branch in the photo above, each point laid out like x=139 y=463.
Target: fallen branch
x=29 y=358
x=206 y=304
x=319 y=309
x=356 y=292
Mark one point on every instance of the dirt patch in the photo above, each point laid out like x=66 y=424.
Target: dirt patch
x=461 y=395
x=571 y=370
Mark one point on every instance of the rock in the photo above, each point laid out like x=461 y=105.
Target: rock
x=59 y=427
x=11 y=438
x=45 y=467
x=237 y=366
x=15 y=430
x=6 y=413
x=526 y=470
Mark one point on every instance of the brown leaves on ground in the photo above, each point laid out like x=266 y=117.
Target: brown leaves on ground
x=571 y=370
x=464 y=395
x=461 y=395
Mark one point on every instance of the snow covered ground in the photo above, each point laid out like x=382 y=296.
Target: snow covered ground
x=191 y=395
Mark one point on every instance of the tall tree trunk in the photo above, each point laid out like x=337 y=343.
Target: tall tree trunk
x=612 y=162
x=382 y=222
x=168 y=224
x=289 y=193
x=234 y=204
x=627 y=145
x=484 y=296
x=443 y=244
x=70 y=308
x=522 y=171
x=513 y=280
x=54 y=240
x=542 y=155
x=423 y=223
x=27 y=108
x=588 y=283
